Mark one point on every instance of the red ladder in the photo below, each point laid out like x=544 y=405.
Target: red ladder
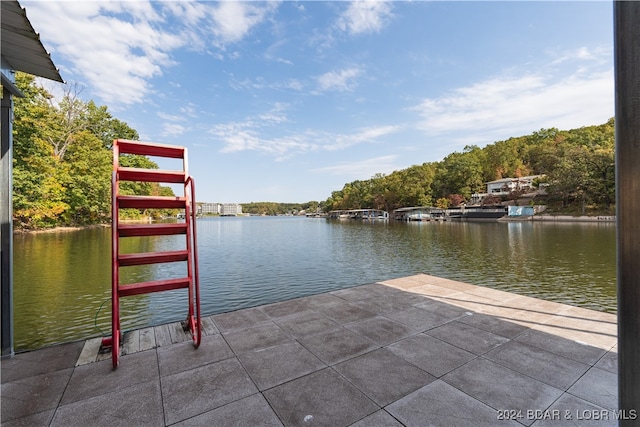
x=188 y=253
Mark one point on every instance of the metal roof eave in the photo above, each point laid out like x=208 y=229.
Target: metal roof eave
x=21 y=46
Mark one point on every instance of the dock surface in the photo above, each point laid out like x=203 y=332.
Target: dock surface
x=413 y=351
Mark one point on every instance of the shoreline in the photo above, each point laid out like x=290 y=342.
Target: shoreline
x=570 y=218
x=535 y=218
x=61 y=229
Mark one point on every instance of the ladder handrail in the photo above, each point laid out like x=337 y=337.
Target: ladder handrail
x=190 y=183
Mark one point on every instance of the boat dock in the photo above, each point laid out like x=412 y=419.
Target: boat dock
x=414 y=351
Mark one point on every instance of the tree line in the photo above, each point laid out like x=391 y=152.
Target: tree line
x=62 y=160
x=578 y=167
x=273 y=208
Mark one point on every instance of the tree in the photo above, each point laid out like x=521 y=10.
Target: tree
x=62 y=158
x=460 y=173
x=88 y=186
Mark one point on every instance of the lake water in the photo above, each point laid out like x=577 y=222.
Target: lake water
x=62 y=281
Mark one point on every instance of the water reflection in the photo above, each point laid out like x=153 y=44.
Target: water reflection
x=61 y=279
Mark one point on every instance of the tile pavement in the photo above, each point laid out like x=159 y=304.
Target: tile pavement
x=413 y=351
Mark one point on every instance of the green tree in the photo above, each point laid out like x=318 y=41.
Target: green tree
x=88 y=186
x=460 y=173
x=62 y=158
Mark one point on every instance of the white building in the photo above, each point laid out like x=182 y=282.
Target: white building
x=504 y=186
x=209 y=208
x=230 y=209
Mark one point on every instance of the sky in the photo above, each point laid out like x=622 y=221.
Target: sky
x=288 y=101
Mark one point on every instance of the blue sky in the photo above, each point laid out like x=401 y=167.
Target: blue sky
x=288 y=101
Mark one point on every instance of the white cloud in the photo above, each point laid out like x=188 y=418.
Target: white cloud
x=234 y=19
x=367 y=135
x=363 y=169
x=293 y=84
x=117 y=65
x=172 y=129
x=342 y=80
x=582 y=54
x=170 y=117
x=117 y=48
x=502 y=107
x=257 y=134
x=364 y=17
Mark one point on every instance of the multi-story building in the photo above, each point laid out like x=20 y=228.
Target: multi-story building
x=209 y=208
x=230 y=209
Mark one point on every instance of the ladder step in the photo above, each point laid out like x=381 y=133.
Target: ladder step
x=131 y=230
x=151 y=202
x=150 y=175
x=152 y=258
x=150 y=149
x=155 y=286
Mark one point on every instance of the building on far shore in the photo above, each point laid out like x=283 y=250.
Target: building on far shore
x=230 y=209
x=209 y=208
x=507 y=186
x=222 y=209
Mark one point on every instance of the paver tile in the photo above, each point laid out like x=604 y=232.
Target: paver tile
x=321 y=301
x=99 y=378
x=30 y=395
x=598 y=386
x=383 y=305
x=275 y=365
x=291 y=307
x=609 y=362
x=338 y=345
x=431 y=354
x=604 y=341
x=542 y=365
x=502 y=388
x=451 y=312
x=562 y=346
x=190 y=393
x=240 y=319
x=418 y=319
x=378 y=419
x=40 y=419
x=346 y=313
x=573 y=411
x=184 y=356
x=48 y=359
x=139 y=405
x=434 y=291
x=494 y=324
x=357 y=293
x=380 y=330
x=467 y=337
x=249 y=411
x=261 y=336
x=440 y=404
x=383 y=376
x=306 y=323
x=323 y=398
x=534 y=305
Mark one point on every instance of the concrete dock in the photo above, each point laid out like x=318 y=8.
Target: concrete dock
x=413 y=351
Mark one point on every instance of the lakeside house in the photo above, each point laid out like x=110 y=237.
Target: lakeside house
x=506 y=186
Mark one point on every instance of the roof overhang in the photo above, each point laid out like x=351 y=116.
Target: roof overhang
x=21 y=47
x=13 y=89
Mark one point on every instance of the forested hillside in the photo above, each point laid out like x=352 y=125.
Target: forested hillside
x=62 y=160
x=578 y=164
